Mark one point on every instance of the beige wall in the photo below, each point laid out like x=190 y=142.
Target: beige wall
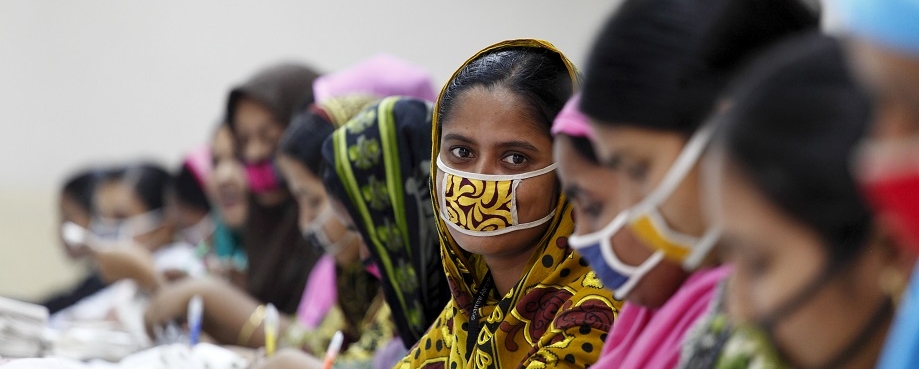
x=110 y=80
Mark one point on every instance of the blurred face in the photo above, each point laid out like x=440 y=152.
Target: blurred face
x=119 y=208
x=780 y=262
x=258 y=133
x=887 y=164
x=593 y=189
x=488 y=133
x=641 y=157
x=69 y=210
x=257 y=130
x=227 y=185
x=316 y=212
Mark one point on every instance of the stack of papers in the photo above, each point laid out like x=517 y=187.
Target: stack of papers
x=22 y=327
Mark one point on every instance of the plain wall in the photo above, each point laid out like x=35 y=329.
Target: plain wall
x=103 y=81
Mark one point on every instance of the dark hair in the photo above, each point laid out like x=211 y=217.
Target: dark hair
x=303 y=139
x=539 y=76
x=188 y=191
x=81 y=185
x=584 y=148
x=662 y=64
x=148 y=181
x=796 y=120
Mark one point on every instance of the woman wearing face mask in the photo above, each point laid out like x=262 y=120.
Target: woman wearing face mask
x=885 y=51
x=186 y=201
x=340 y=294
x=520 y=296
x=74 y=209
x=257 y=112
x=228 y=191
x=131 y=237
x=397 y=222
x=652 y=78
x=811 y=265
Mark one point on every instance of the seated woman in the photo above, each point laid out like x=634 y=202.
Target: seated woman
x=396 y=219
x=74 y=208
x=520 y=296
x=813 y=271
x=653 y=78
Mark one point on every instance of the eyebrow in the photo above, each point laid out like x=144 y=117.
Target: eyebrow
x=457 y=137
x=519 y=145
x=516 y=144
x=572 y=191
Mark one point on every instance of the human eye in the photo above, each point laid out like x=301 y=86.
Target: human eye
x=461 y=152
x=515 y=159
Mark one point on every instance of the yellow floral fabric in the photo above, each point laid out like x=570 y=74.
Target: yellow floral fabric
x=557 y=315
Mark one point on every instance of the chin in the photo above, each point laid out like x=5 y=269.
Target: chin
x=658 y=286
x=505 y=244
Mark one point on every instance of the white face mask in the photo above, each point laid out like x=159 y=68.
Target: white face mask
x=126 y=229
x=650 y=228
x=199 y=232
x=482 y=204
x=315 y=233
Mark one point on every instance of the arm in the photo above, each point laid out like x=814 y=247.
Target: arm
x=226 y=310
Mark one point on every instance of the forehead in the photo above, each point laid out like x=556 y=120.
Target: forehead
x=492 y=114
x=117 y=199
x=574 y=168
x=622 y=139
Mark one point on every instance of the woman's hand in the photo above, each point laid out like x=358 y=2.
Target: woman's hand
x=127 y=262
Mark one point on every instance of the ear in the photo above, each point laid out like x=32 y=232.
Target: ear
x=895 y=254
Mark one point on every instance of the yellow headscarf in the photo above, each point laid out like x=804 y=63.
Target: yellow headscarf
x=556 y=316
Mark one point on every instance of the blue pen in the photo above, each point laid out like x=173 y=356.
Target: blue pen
x=195 y=310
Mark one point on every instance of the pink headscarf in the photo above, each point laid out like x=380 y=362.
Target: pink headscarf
x=570 y=121
x=199 y=161
x=382 y=75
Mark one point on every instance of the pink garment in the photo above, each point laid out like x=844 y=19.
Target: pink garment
x=382 y=75
x=571 y=121
x=199 y=161
x=319 y=295
x=649 y=338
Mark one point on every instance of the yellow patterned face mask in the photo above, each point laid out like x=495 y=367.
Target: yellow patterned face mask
x=484 y=204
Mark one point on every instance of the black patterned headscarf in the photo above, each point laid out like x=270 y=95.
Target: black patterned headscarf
x=378 y=165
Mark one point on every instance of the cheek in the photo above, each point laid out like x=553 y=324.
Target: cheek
x=536 y=197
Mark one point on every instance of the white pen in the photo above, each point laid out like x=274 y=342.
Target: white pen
x=334 y=348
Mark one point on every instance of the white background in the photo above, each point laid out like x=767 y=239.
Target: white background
x=92 y=81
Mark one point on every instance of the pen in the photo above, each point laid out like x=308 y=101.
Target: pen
x=334 y=348
x=195 y=310
x=272 y=320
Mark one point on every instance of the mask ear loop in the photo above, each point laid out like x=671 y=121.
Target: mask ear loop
x=634 y=274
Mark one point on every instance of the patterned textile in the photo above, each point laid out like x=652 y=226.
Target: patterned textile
x=378 y=165
x=556 y=316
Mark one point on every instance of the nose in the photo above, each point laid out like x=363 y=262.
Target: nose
x=257 y=150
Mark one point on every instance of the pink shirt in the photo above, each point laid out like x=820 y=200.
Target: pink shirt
x=652 y=338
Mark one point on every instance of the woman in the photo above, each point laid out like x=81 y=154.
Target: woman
x=396 y=222
x=340 y=294
x=257 y=112
x=228 y=191
x=186 y=201
x=886 y=55
x=400 y=234
x=233 y=317
x=653 y=77
x=74 y=207
x=520 y=296
x=811 y=265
